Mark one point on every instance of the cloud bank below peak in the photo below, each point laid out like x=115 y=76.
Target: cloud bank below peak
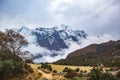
x=35 y=50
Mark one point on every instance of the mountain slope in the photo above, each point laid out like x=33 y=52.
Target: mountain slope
x=51 y=43
x=107 y=54
x=55 y=38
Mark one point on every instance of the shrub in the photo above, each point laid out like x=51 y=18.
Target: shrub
x=39 y=67
x=71 y=74
x=107 y=76
x=6 y=68
x=46 y=66
x=80 y=74
x=39 y=74
x=118 y=75
x=65 y=69
x=44 y=78
x=95 y=74
x=77 y=69
x=54 y=71
x=18 y=67
x=84 y=71
x=10 y=67
x=49 y=67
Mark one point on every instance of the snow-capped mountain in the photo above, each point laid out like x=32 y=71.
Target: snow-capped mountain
x=49 y=43
x=56 y=38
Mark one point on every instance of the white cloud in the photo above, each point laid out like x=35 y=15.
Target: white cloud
x=97 y=39
x=46 y=54
x=94 y=16
x=89 y=40
x=59 y=4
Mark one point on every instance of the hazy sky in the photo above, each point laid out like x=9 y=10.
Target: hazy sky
x=93 y=16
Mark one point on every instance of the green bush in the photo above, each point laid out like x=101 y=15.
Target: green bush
x=39 y=67
x=6 y=68
x=54 y=71
x=44 y=78
x=77 y=69
x=118 y=75
x=96 y=74
x=80 y=74
x=10 y=62
x=49 y=67
x=18 y=67
x=10 y=68
x=107 y=76
x=46 y=66
x=65 y=69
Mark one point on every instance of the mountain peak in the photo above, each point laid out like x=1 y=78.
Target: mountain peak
x=63 y=31
x=24 y=27
x=54 y=39
x=66 y=28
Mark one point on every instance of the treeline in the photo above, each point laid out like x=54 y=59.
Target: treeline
x=12 y=58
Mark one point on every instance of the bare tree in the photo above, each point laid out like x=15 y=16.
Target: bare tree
x=12 y=42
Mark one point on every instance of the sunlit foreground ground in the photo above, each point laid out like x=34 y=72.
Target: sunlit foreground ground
x=60 y=68
x=45 y=76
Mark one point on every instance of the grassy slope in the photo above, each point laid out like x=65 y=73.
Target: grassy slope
x=50 y=76
x=60 y=68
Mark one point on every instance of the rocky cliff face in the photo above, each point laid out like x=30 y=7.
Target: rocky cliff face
x=56 y=38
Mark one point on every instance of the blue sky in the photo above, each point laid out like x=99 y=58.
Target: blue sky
x=93 y=16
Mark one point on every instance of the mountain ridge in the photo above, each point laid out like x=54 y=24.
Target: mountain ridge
x=53 y=39
x=95 y=54
x=50 y=37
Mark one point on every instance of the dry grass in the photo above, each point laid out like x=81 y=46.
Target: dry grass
x=60 y=68
x=34 y=66
x=38 y=74
x=49 y=76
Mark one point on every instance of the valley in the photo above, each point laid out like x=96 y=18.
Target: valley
x=93 y=62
